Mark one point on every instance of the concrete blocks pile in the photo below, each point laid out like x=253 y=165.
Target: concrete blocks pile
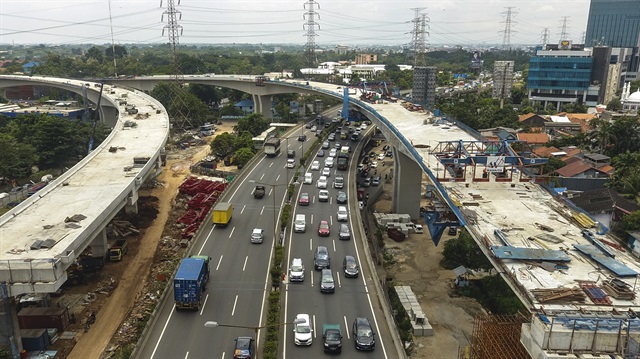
x=419 y=321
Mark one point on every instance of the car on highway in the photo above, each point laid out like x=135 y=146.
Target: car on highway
x=331 y=137
x=323 y=195
x=321 y=259
x=314 y=128
x=338 y=145
x=367 y=182
x=374 y=164
x=333 y=152
x=325 y=145
x=296 y=270
x=381 y=157
x=326 y=171
x=341 y=198
x=322 y=182
x=327 y=283
x=320 y=153
x=329 y=162
x=291 y=163
x=245 y=348
x=375 y=181
x=308 y=125
x=344 y=233
x=363 y=334
x=291 y=153
x=323 y=229
x=342 y=214
x=350 y=267
x=302 y=138
x=257 y=236
x=304 y=199
x=303 y=333
x=315 y=166
x=385 y=148
x=361 y=205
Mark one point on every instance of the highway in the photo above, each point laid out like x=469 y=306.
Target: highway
x=240 y=278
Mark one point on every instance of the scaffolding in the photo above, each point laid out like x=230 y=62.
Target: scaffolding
x=496 y=337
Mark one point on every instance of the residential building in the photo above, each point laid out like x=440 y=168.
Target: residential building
x=605 y=205
x=364 y=59
x=424 y=85
x=534 y=122
x=502 y=79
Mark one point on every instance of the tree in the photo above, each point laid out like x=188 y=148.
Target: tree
x=464 y=251
x=17 y=158
x=614 y=104
x=242 y=156
x=223 y=144
x=254 y=123
x=95 y=53
x=553 y=165
x=244 y=140
x=632 y=221
x=120 y=52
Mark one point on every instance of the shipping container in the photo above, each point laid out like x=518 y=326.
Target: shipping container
x=44 y=317
x=35 y=339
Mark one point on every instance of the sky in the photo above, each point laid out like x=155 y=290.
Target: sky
x=347 y=22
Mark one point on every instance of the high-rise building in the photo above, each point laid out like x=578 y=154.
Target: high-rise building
x=614 y=23
x=424 y=85
x=502 y=79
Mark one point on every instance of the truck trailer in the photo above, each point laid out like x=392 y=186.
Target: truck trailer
x=189 y=283
x=222 y=213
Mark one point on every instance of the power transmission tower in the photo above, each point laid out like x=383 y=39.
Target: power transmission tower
x=418 y=39
x=180 y=110
x=310 y=27
x=508 y=24
x=564 y=28
x=545 y=36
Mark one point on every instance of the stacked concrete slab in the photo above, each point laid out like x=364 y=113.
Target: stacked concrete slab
x=419 y=321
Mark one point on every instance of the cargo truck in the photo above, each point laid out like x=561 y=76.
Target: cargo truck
x=189 y=283
x=343 y=162
x=222 y=213
x=332 y=338
x=118 y=250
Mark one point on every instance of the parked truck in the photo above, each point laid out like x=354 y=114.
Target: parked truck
x=222 y=213
x=118 y=250
x=190 y=282
x=332 y=338
x=259 y=192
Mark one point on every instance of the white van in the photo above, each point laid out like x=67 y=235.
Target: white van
x=308 y=178
x=300 y=224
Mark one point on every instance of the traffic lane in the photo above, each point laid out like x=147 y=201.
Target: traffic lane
x=341 y=307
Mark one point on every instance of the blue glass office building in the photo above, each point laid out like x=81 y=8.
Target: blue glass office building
x=613 y=23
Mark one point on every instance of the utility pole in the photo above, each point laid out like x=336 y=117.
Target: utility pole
x=418 y=39
x=564 y=28
x=113 y=46
x=310 y=26
x=545 y=36
x=174 y=31
x=508 y=24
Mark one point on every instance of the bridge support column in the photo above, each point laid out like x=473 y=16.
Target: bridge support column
x=131 y=207
x=3 y=92
x=99 y=245
x=407 y=185
x=109 y=115
x=262 y=105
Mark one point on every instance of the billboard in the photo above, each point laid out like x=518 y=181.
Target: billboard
x=476 y=60
x=495 y=164
x=293 y=107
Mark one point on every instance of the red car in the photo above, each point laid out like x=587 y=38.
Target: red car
x=304 y=199
x=323 y=229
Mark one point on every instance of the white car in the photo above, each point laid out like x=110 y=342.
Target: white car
x=326 y=171
x=328 y=162
x=333 y=152
x=291 y=163
x=363 y=126
x=374 y=164
x=303 y=332
x=322 y=182
x=381 y=157
x=361 y=205
x=323 y=195
x=342 y=214
x=315 y=166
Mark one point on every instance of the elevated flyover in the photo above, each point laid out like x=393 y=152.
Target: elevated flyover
x=537 y=232
x=42 y=236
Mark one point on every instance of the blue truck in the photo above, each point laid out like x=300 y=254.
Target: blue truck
x=190 y=282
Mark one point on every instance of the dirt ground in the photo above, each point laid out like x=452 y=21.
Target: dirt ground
x=119 y=290
x=417 y=264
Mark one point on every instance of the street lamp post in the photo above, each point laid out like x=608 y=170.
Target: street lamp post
x=212 y=324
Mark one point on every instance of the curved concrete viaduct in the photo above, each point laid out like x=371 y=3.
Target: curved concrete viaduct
x=37 y=242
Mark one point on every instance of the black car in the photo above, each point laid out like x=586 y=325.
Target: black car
x=321 y=259
x=386 y=147
x=365 y=160
x=245 y=348
x=363 y=334
x=342 y=197
x=291 y=153
x=302 y=138
x=350 y=267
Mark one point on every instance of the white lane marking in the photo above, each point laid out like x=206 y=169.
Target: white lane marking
x=270 y=191
x=219 y=261
x=338 y=276
x=313 y=271
x=261 y=177
x=186 y=355
x=277 y=178
x=231 y=234
x=346 y=328
x=173 y=309
x=235 y=302
x=204 y=304
x=334 y=244
x=314 y=326
x=262 y=210
x=310 y=244
x=245 y=263
x=243 y=207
